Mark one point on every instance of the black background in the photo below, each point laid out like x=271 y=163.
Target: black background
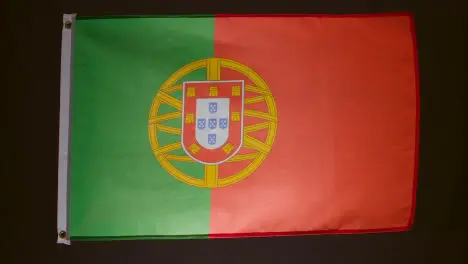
x=29 y=172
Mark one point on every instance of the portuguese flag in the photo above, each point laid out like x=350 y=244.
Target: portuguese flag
x=233 y=126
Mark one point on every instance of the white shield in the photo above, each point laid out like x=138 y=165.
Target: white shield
x=212 y=122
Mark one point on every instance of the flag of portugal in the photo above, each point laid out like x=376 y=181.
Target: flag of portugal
x=229 y=126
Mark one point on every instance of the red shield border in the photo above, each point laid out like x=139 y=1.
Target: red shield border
x=193 y=90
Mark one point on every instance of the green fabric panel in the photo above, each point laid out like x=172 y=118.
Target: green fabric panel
x=118 y=188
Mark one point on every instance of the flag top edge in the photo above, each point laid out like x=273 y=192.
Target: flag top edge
x=311 y=15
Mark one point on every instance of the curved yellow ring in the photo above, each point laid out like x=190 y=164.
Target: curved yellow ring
x=257 y=161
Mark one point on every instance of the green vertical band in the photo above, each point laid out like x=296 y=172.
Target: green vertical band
x=118 y=188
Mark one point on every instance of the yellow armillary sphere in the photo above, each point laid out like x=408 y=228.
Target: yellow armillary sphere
x=267 y=120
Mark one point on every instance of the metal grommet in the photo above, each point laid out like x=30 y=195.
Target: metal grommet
x=68 y=24
x=63 y=234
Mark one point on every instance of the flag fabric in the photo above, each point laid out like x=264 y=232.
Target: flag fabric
x=230 y=126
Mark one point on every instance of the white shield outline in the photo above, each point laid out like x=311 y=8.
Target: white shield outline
x=241 y=121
